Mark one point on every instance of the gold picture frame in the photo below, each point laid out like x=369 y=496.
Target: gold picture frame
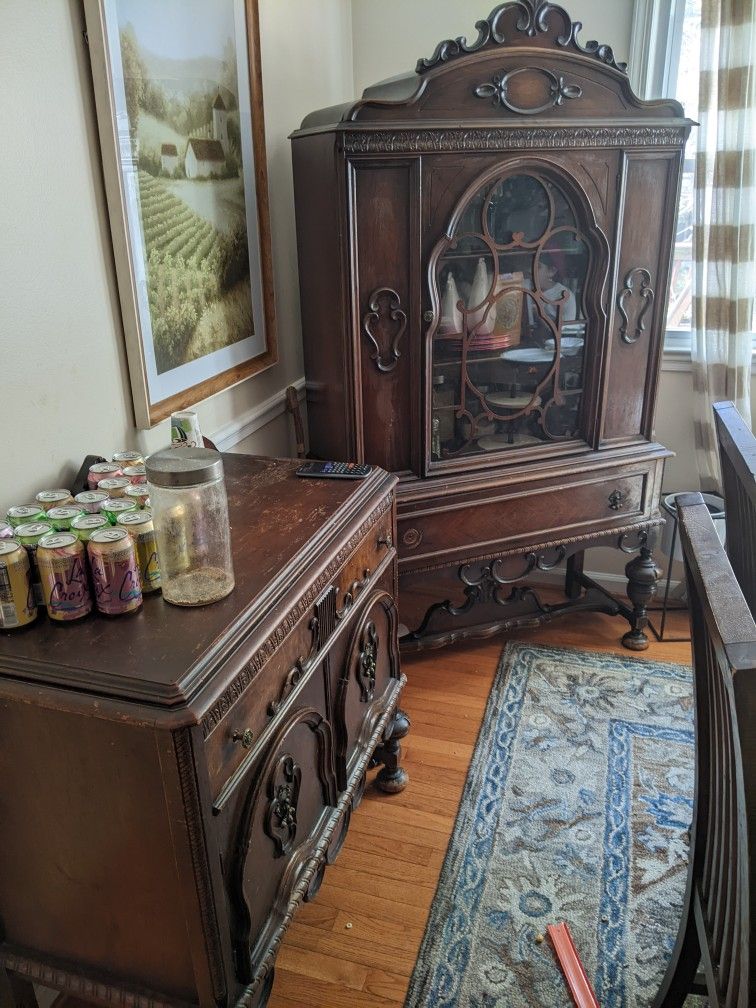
x=182 y=134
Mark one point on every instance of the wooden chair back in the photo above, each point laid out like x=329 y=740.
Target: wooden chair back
x=717 y=928
x=737 y=455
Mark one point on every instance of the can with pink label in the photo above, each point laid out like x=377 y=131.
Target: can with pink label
x=115 y=572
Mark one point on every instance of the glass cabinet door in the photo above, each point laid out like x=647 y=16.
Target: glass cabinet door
x=508 y=351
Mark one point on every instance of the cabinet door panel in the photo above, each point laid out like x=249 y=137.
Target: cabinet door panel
x=386 y=314
x=365 y=677
x=288 y=807
x=640 y=293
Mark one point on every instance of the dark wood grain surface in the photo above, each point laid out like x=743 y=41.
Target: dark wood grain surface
x=164 y=653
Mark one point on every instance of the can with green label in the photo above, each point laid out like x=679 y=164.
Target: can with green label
x=17 y=605
x=139 y=526
x=29 y=536
x=115 y=506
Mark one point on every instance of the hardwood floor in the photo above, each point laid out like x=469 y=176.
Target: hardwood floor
x=355 y=945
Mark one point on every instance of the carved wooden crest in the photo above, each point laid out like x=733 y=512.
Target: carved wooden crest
x=509 y=21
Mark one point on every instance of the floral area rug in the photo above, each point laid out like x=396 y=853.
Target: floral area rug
x=577 y=808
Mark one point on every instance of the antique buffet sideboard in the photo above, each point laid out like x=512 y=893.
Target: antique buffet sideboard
x=485 y=249
x=174 y=783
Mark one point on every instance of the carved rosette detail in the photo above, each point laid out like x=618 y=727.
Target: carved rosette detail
x=558 y=91
x=385 y=307
x=646 y=294
x=533 y=17
x=283 y=795
x=367 y=663
x=509 y=138
x=412 y=538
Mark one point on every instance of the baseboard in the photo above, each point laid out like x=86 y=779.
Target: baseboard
x=253 y=419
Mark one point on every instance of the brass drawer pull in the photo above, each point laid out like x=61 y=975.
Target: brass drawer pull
x=616 y=500
x=245 y=738
x=386 y=540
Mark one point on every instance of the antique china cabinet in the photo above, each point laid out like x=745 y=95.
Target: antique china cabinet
x=484 y=251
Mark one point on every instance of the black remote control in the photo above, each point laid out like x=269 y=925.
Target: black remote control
x=334 y=470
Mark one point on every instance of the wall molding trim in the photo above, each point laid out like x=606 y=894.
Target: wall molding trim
x=254 y=419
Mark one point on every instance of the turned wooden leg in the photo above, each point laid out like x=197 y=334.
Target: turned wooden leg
x=642 y=575
x=572 y=586
x=16 y=992
x=391 y=777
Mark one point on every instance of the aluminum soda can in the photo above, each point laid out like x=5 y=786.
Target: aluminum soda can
x=128 y=458
x=61 y=517
x=114 y=487
x=102 y=470
x=91 y=500
x=135 y=473
x=24 y=514
x=139 y=526
x=185 y=430
x=17 y=605
x=62 y=568
x=53 y=498
x=139 y=493
x=115 y=506
x=86 y=524
x=6 y=530
x=115 y=572
x=29 y=536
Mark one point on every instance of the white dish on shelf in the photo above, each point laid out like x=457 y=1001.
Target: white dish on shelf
x=528 y=355
x=570 y=345
x=500 y=441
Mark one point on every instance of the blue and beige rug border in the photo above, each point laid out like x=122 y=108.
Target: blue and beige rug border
x=447 y=943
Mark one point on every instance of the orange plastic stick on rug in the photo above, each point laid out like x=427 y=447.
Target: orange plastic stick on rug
x=574 y=974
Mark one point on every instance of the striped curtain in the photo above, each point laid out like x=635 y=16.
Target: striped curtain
x=725 y=271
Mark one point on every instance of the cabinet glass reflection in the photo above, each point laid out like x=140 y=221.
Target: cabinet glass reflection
x=509 y=347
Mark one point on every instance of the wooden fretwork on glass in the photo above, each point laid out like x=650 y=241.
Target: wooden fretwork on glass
x=509 y=351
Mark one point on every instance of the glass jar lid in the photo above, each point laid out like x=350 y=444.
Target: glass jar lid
x=184 y=467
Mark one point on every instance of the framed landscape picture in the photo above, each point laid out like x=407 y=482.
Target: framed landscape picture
x=179 y=106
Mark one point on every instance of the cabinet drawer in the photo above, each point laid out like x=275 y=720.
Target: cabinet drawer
x=526 y=517
x=252 y=709
x=240 y=730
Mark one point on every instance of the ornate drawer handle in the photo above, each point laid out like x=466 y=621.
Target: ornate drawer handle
x=245 y=739
x=646 y=295
x=350 y=597
x=393 y=312
x=616 y=500
x=428 y=316
x=386 y=540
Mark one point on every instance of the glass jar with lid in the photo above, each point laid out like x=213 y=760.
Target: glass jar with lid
x=190 y=513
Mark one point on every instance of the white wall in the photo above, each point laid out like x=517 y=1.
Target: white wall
x=65 y=390
x=391 y=35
